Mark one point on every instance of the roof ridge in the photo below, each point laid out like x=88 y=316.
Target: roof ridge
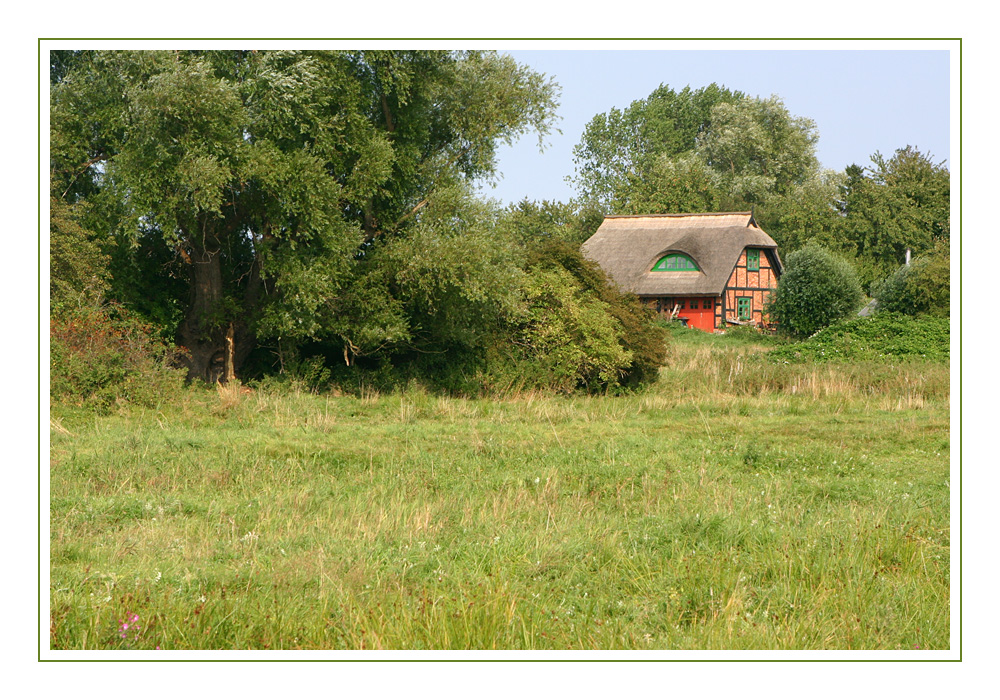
x=656 y=216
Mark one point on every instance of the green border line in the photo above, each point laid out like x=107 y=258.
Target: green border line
x=39 y=328
x=500 y=39
x=960 y=350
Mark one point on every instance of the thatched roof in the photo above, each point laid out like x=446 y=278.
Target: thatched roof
x=627 y=247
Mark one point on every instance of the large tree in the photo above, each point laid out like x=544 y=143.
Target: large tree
x=271 y=179
x=619 y=148
x=898 y=203
x=710 y=149
x=759 y=149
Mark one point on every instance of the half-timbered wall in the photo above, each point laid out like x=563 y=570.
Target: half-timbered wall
x=753 y=284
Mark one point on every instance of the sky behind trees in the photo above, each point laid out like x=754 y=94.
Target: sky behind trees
x=862 y=101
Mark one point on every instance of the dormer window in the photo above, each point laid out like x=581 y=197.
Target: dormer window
x=675 y=262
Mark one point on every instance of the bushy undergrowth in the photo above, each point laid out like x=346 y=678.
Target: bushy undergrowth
x=882 y=336
x=569 y=331
x=101 y=356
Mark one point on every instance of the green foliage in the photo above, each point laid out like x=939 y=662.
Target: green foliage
x=183 y=146
x=899 y=203
x=308 y=281
x=78 y=268
x=275 y=177
x=101 y=356
x=473 y=299
x=148 y=278
x=816 y=289
x=310 y=374
x=923 y=287
x=620 y=147
x=674 y=184
x=582 y=330
x=571 y=334
x=805 y=214
x=884 y=336
x=531 y=222
x=751 y=336
x=456 y=276
x=705 y=150
x=758 y=148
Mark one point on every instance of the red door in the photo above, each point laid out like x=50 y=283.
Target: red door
x=699 y=312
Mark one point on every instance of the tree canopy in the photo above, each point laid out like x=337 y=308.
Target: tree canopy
x=271 y=181
x=709 y=149
x=619 y=148
x=898 y=203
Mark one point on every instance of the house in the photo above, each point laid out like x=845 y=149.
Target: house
x=708 y=269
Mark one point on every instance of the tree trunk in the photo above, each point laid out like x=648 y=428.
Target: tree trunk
x=203 y=332
x=218 y=339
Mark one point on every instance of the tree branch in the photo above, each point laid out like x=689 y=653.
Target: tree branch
x=389 y=125
x=370 y=235
x=76 y=177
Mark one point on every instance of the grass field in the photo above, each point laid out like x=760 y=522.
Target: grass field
x=735 y=504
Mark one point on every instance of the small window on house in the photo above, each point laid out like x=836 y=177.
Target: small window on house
x=675 y=262
x=753 y=259
x=707 y=304
x=680 y=303
x=744 y=306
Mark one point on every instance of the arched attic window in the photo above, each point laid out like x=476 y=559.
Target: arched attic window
x=675 y=262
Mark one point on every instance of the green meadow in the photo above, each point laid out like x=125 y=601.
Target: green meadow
x=736 y=503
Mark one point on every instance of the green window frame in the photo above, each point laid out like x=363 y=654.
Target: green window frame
x=675 y=262
x=744 y=308
x=753 y=260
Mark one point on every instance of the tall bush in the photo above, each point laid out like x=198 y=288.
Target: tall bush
x=816 y=289
x=570 y=337
x=581 y=327
x=924 y=287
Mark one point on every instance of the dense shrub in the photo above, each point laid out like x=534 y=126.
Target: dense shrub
x=879 y=337
x=101 y=356
x=77 y=266
x=924 y=287
x=816 y=289
x=625 y=347
x=570 y=337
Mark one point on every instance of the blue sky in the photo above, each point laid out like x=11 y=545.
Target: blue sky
x=862 y=101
